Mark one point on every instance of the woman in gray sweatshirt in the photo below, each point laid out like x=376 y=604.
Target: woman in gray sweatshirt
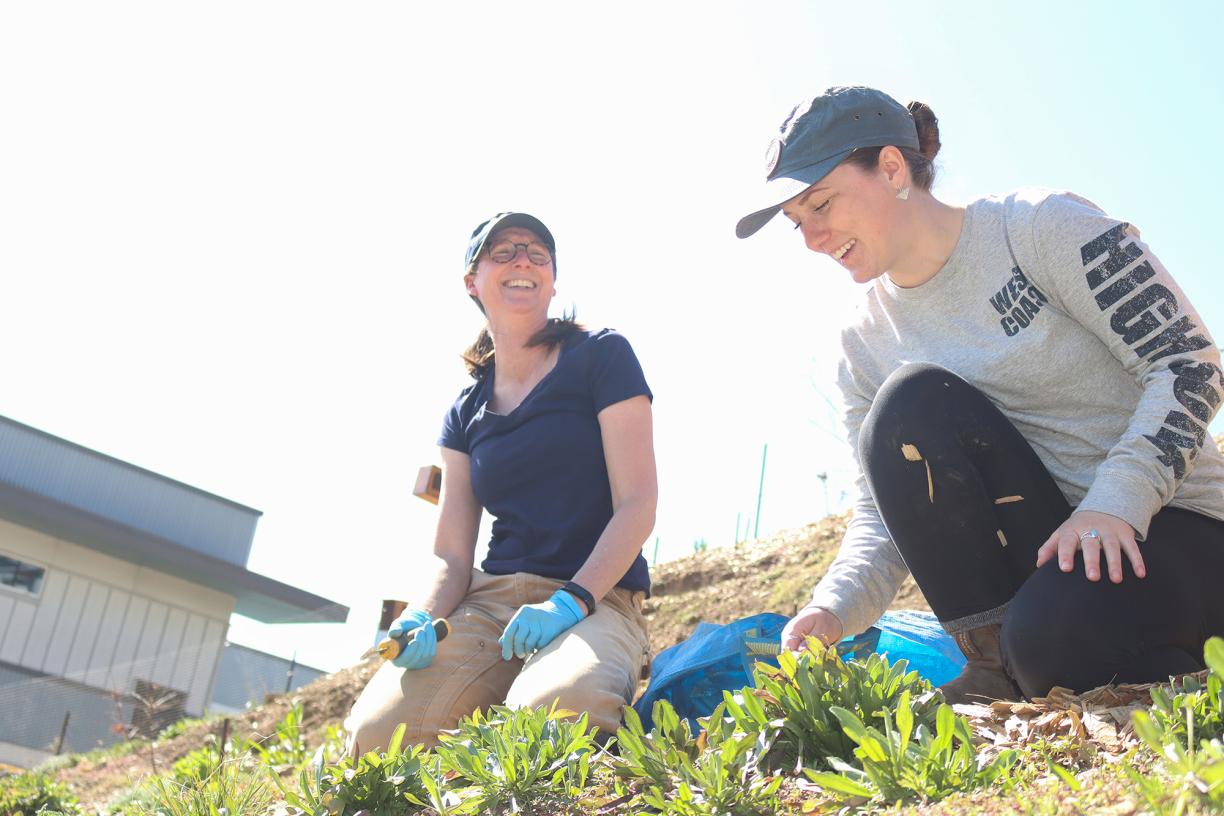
x=1028 y=392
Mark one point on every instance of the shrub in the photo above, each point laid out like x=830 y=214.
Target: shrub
x=716 y=773
x=1184 y=728
x=382 y=784
x=798 y=698
x=30 y=793
x=1188 y=707
x=894 y=767
x=656 y=755
x=511 y=755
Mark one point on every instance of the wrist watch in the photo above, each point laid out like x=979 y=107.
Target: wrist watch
x=582 y=594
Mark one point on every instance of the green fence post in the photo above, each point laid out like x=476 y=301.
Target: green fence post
x=760 y=490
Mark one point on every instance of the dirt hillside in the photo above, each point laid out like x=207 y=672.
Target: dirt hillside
x=775 y=574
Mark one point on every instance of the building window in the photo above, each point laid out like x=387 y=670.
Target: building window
x=21 y=576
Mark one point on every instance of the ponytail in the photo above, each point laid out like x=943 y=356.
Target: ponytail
x=478 y=357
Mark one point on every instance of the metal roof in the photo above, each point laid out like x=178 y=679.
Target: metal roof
x=36 y=461
x=139 y=516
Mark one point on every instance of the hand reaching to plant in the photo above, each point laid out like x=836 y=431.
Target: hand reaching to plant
x=421 y=647
x=534 y=626
x=811 y=620
x=1093 y=533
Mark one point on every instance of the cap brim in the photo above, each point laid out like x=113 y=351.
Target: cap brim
x=782 y=189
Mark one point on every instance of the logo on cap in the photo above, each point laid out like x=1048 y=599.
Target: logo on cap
x=772 y=154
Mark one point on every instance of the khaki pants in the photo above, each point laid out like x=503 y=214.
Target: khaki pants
x=593 y=667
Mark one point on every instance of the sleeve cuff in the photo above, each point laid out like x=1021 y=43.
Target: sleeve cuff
x=840 y=608
x=1127 y=505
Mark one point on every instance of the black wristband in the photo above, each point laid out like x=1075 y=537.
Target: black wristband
x=582 y=594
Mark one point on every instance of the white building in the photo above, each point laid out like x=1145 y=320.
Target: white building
x=116 y=585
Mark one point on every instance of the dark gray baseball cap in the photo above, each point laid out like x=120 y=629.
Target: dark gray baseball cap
x=818 y=135
x=505 y=220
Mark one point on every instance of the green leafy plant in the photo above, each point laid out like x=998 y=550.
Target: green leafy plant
x=332 y=748
x=438 y=795
x=653 y=756
x=1188 y=774
x=1187 y=701
x=285 y=747
x=196 y=767
x=717 y=772
x=382 y=784
x=799 y=696
x=30 y=793
x=906 y=760
x=514 y=755
x=724 y=780
x=1183 y=728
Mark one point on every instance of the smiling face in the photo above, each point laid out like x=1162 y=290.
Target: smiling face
x=854 y=217
x=517 y=286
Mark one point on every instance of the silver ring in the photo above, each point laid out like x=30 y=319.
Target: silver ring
x=1087 y=534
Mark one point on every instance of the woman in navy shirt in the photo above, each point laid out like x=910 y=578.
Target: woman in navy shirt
x=554 y=439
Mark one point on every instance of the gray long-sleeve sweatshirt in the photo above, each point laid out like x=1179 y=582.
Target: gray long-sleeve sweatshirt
x=1082 y=339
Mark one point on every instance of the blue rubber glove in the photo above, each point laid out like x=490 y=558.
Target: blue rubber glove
x=422 y=644
x=535 y=625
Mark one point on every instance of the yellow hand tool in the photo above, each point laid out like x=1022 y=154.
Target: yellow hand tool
x=390 y=648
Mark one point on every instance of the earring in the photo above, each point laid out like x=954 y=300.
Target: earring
x=903 y=193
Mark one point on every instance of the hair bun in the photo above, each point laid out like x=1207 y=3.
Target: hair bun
x=928 y=128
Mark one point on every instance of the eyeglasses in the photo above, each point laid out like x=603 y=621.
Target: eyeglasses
x=507 y=251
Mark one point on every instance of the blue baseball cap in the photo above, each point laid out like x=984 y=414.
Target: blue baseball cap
x=818 y=135
x=481 y=234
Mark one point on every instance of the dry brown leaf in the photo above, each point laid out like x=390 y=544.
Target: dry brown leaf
x=1050 y=723
x=1121 y=715
x=1077 y=725
x=1104 y=733
x=910 y=453
x=1059 y=697
x=974 y=710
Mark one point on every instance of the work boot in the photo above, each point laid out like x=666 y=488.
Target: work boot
x=983 y=678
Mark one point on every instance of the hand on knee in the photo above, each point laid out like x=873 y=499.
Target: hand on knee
x=534 y=626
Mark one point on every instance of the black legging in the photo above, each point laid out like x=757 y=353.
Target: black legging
x=974 y=557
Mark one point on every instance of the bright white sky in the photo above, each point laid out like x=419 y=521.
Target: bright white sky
x=231 y=233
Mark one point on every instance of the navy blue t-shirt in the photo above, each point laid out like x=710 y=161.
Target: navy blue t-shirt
x=540 y=470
